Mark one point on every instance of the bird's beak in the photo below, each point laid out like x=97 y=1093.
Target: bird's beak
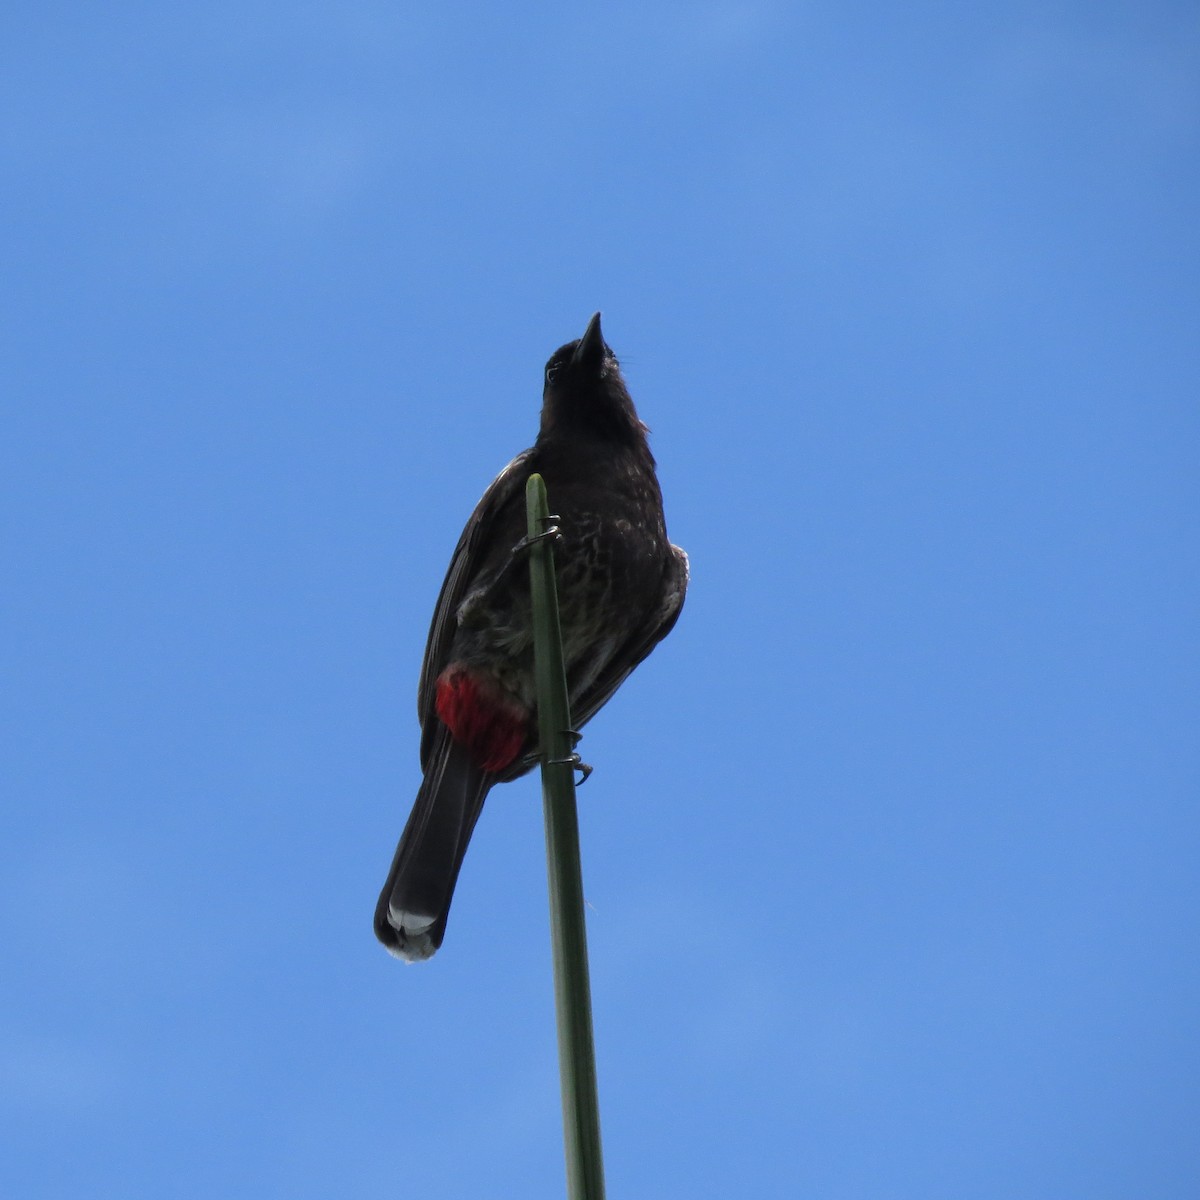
x=591 y=345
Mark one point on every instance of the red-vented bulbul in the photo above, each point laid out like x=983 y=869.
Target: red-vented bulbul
x=620 y=588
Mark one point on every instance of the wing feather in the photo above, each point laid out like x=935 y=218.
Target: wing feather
x=500 y=493
x=627 y=657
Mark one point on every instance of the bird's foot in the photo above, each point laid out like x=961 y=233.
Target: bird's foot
x=575 y=763
x=551 y=533
x=476 y=601
x=571 y=760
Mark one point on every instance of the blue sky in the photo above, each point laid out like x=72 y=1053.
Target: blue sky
x=891 y=848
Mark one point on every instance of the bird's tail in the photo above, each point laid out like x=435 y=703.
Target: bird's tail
x=410 y=918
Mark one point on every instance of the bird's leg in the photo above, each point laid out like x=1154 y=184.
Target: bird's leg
x=576 y=763
x=481 y=595
x=571 y=760
x=551 y=533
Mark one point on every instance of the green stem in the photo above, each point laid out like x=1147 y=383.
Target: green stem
x=568 y=935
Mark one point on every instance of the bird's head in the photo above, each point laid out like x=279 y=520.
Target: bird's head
x=584 y=391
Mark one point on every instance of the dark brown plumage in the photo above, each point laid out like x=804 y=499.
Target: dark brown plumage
x=621 y=585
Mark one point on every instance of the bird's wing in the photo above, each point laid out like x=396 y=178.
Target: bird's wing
x=624 y=658
x=504 y=489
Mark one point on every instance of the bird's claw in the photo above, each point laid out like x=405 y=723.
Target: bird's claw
x=551 y=533
x=475 y=601
x=576 y=764
x=571 y=760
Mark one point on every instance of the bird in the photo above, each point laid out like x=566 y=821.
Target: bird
x=621 y=585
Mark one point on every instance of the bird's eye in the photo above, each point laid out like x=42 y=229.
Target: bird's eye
x=551 y=375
